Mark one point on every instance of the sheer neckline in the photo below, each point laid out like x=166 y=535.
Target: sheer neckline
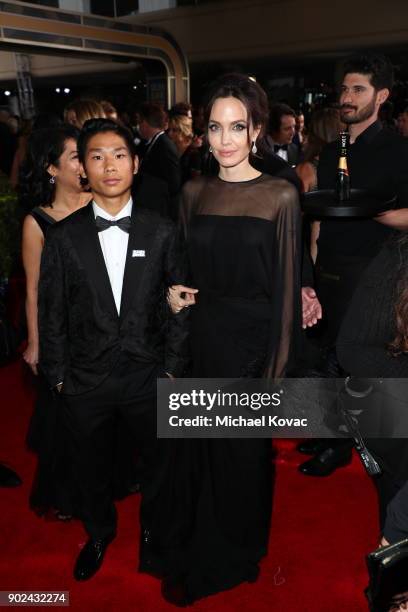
x=250 y=182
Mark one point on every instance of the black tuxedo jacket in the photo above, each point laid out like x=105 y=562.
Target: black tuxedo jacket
x=81 y=333
x=161 y=160
x=293 y=154
x=270 y=163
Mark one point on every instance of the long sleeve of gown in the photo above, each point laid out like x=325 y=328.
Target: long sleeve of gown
x=368 y=326
x=286 y=286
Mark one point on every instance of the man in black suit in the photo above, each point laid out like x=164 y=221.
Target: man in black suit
x=282 y=129
x=377 y=163
x=106 y=331
x=159 y=157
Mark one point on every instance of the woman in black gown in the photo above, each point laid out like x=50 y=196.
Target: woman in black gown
x=212 y=519
x=50 y=182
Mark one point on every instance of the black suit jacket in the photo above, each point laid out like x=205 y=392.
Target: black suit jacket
x=269 y=163
x=81 y=334
x=293 y=154
x=161 y=160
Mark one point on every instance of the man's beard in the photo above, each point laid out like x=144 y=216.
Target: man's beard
x=362 y=115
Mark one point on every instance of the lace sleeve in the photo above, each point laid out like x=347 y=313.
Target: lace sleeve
x=286 y=287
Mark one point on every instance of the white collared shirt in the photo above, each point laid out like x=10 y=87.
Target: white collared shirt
x=114 y=244
x=281 y=153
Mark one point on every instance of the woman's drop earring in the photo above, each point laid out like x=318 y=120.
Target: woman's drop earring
x=52 y=180
x=254 y=148
x=210 y=149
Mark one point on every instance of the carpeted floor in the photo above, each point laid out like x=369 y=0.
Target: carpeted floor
x=321 y=530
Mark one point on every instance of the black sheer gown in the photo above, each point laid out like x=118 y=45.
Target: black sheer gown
x=212 y=519
x=54 y=487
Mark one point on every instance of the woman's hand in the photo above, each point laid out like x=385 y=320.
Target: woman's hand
x=384 y=542
x=30 y=356
x=175 y=299
x=311 y=307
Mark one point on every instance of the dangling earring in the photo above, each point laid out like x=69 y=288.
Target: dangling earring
x=52 y=180
x=254 y=148
x=210 y=149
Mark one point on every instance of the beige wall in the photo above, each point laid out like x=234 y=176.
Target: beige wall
x=44 y=65
x=239 y=29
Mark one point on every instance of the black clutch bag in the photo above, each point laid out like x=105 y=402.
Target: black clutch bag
x=388 y=572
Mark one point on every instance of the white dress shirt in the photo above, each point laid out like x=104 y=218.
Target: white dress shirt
x=282 y=153
x=114 y=244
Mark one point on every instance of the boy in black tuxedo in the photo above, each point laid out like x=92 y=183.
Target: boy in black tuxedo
x=106 y=332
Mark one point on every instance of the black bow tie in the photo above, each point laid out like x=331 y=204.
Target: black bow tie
x=278 y=147
x=103 y=224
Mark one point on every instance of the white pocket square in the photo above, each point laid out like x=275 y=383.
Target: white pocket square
x=140 y=253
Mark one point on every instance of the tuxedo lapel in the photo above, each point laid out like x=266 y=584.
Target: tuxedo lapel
x=141 y=237
x=292 y=154
x=85 y=239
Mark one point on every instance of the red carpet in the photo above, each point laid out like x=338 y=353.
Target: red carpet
x=321 y=530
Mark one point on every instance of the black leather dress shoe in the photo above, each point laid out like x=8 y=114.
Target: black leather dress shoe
x=8 y=478
x=326 y=463
x=313 y=446
x=90 y=558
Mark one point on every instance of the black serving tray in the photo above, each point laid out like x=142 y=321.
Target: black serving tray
x=323 y=203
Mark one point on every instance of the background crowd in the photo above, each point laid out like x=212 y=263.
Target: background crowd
x=172 y=149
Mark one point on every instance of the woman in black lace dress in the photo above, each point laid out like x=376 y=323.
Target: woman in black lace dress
x=243 y=238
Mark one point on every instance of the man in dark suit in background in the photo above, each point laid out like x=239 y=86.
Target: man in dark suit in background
x=159 y=157
x=106 y=332
x=282 y=129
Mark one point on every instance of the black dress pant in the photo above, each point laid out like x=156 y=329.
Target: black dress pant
x=129 y=393
x=336 y=279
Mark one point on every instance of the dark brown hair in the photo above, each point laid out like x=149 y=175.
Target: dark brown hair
x=276 y=113
x=153 y=114
x=252 y=96
x=45 y=147
x=375 y=66
x=181 y=108
x=324 y=127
